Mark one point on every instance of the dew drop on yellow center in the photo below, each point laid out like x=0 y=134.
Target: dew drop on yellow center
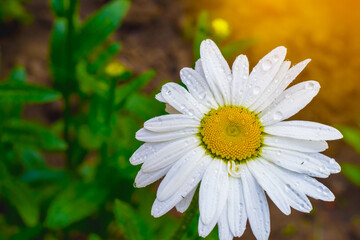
x=231 y=133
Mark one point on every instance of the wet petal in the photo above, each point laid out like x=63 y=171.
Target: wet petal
x=256 y=205
x=262 y=75
x=240 y=79
x=304 y=130
x=295 y=144
x=290 y=102
x=172 y=122
x=217 y=71
x=213 y=190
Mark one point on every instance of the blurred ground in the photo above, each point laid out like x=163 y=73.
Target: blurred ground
x=152 y=38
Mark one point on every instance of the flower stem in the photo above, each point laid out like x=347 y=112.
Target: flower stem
x=186 y=220
x=70 y=77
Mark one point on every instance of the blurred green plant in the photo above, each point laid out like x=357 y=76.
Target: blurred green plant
x=91 y=193
x=217 y=29
x=14 y=10
x=352 y=137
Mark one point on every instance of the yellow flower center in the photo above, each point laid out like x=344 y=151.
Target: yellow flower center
x=232 y=133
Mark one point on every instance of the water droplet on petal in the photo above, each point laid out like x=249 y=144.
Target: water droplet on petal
x=256 y=90
x=202 y=95
x=266 y=65
x=276 y=58
x=278 y=115
x=310 y=85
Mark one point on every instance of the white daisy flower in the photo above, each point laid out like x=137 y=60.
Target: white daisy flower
x=226 y=133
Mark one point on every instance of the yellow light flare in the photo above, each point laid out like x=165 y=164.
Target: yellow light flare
x=326 y=31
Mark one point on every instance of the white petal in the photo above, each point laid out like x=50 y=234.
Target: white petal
x=295 y=144
x=271 y=88
x=315 y=189
x=165 y=155
x=223 y=226
x=305 y=184
x=256 y=205
x=217 y=71
x=171 y=122
x=149 y=136
x=160 y=98
x=240 y=79
x=278 y=184
x=289 y=77
x=143 y=179
x=182 y=100
x=170 y=109
x=304 y=130
x=178 y=174
x=262 y=75
x=271 y=185
x=290 y=102
x=295 y=161
x=213 y=190
x=160 y=208
x=185 y=202
x=236 y=207
x=198 y=87
x=329 y=163
x=146 y=150
x=199 y=68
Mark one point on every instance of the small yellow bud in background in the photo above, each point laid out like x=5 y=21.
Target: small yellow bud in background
x=115 y=68
x=220 y=27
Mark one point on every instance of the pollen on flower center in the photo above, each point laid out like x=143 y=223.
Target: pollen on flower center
x=231 y=133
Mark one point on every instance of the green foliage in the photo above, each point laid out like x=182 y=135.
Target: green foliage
x=74 y=203
x=20 y=196
x=351 y=137
x=129 y=222
x=352 y=172
x=100 y=26
x=13 y=10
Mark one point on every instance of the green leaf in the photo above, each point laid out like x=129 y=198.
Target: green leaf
x=94 y=236
x=58 y=7
x=26 y=93
x=75 y=203
x=57 y=50
x=351 y=136
x=27 y=233
x=25 y=133
x=235 y=48
x=97 y=28
x=17 y=75
x=145 y=107
x=90 y=83
x=202 y=32
x=130 y=223
x=351 y=172
x=44 y=175
x=104 y=57
x=21 y=197
x=124 y=91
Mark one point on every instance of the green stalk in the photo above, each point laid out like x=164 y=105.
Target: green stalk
x=70 y=69
x=186 y=219
x=109 y=113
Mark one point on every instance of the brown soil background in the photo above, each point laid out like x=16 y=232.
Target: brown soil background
x=152 y=38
